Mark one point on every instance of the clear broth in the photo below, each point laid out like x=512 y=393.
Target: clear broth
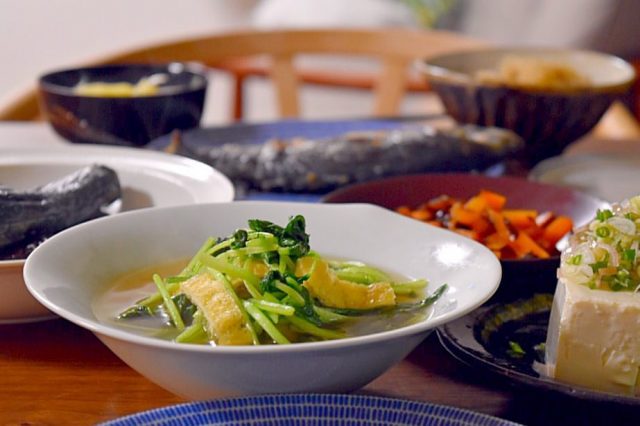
x=132 y=287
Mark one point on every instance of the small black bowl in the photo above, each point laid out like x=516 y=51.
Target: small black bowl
x=125 y=120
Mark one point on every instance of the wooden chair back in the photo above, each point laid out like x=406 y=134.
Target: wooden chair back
x=396 y=49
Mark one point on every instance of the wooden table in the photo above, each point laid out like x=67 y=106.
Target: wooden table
x=54 y=372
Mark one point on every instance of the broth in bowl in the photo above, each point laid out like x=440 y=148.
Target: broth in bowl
x=263 y=285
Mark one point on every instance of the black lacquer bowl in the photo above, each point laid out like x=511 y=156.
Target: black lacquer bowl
x=123 y=120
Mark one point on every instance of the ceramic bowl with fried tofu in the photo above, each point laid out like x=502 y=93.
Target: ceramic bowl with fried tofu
x=260 y=307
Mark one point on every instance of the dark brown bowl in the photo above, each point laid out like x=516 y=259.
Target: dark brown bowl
x=519 y=277
x=128 y=121
x=548 y=120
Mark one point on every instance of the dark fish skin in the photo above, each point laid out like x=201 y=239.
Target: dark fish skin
x=301 y=165
x=44 y=211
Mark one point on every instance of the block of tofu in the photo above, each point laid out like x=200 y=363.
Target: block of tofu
x=593 y=339
x=325 y=286
x=226 y=323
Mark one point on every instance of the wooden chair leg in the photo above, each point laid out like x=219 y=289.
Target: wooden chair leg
x=238 y=97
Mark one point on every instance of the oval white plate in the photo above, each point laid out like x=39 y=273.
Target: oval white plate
x=147 y=178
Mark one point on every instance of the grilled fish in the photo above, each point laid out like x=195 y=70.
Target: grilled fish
x=304 y=165
x=30 y=216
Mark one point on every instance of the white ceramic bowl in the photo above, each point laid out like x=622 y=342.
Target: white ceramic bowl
x=147 y=179
x=69 y=270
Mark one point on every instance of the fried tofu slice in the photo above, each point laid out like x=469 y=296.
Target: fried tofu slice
x=226 y=323
x=324 y=285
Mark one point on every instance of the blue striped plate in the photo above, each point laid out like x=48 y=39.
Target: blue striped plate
x=309 y=410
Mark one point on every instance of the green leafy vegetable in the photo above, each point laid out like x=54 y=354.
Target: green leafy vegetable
x=172 y=309
x=257 y=268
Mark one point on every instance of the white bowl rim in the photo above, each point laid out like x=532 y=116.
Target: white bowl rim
x=418 y=328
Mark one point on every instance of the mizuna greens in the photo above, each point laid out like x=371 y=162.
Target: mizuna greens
x=265 y=285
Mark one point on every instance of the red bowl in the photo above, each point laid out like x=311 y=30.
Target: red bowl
x=519 y=277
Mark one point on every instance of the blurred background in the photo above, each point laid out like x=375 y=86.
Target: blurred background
x=39 y=36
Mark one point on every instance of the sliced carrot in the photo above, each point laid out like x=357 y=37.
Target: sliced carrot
x=494 y=200
x=476 y=204
x=557 y=229
x=482 y=226
x=518 y=249
x=497 y=220
x=421 y=214
x=509 y=233
x=520 y=219
x=525 y=242
x=442 y=202
x=424 y=206
x=404 y=210
x=495 y=241
x=461 y=215
x=534 y=231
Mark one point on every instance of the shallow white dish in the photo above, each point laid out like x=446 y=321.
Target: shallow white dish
x=610 y=177
x=147 y=178
x=108 y=247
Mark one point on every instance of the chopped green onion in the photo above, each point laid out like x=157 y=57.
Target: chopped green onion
x=575 y=260
x=629 y=255
x=603 y=232
x=596 y=266
x=603 y=215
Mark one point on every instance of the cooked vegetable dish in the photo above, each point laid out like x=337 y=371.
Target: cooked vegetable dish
x=509 y=233
x=593 y=338
x=264 y=285
x=534 y=73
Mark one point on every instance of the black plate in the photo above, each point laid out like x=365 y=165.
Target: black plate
x=482 y=339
